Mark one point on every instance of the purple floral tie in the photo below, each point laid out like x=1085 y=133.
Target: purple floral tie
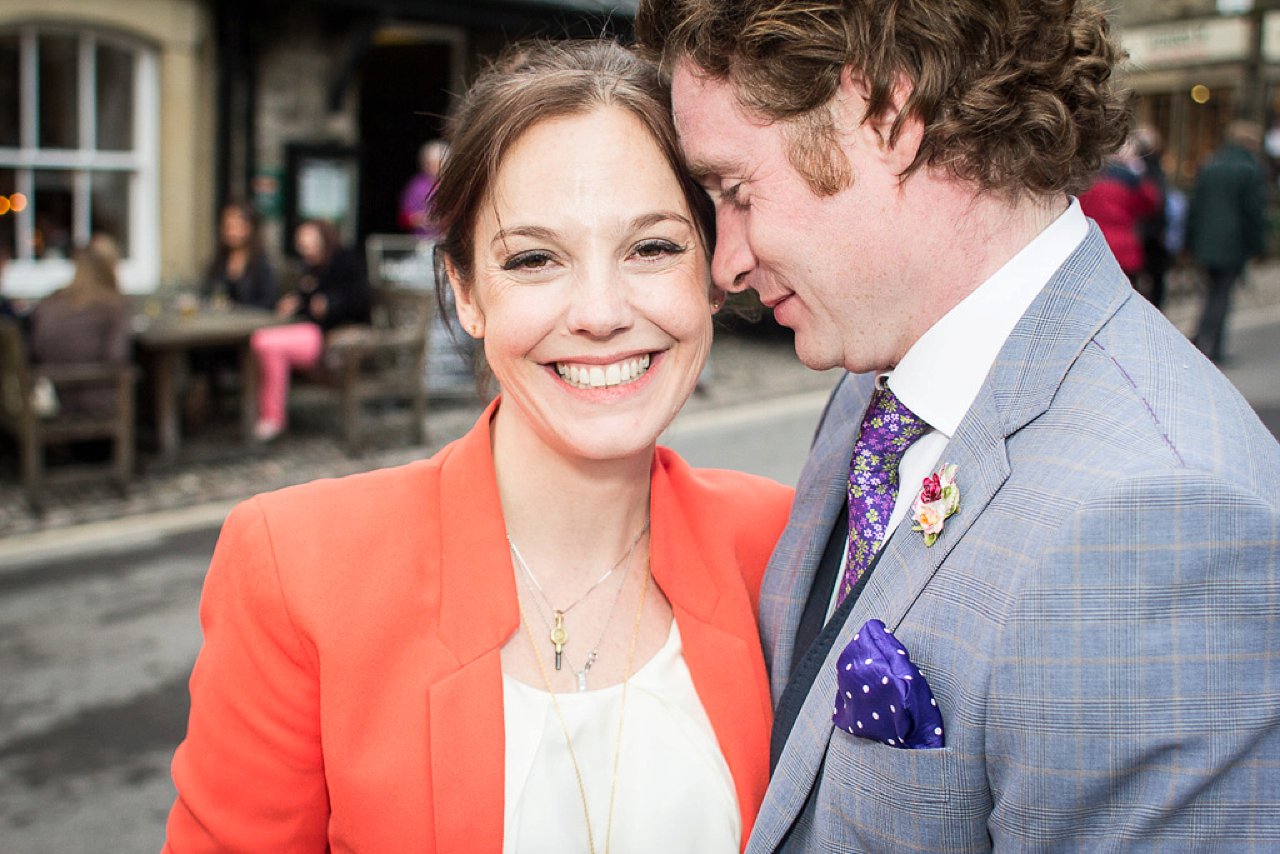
x=888 y=429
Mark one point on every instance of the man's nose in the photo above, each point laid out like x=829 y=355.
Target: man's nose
x=733 y=259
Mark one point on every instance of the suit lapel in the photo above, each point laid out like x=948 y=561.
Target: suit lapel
x=824 y=483
x=1086 y=291
x=477 y=612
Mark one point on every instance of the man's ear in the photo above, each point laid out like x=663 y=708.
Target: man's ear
x=470 y=315
x=897 y=152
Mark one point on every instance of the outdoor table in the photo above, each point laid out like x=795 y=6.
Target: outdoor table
x=167 y=338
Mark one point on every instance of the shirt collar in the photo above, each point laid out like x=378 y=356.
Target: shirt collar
x=939 y=377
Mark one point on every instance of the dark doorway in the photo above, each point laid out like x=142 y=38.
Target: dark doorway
x=403 y=101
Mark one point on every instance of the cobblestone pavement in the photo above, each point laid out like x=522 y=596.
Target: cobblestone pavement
x=216 y=466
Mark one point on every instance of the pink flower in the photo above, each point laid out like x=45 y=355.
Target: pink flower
x=931 y=489
x=939 y=499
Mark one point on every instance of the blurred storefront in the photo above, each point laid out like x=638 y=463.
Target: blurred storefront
x=139 y=118
x=1216 y=60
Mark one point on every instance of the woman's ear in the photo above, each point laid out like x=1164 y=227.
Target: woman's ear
x=470 y=315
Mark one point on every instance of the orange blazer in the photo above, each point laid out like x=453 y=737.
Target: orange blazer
x=349 y=692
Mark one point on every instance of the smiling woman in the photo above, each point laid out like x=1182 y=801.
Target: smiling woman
x=588 y=267
x=550 y=644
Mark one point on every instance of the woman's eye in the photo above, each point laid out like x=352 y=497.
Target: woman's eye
x=528 y=261
x=654 y=249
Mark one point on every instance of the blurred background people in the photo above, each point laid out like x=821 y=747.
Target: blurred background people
x=1226 y=227
x=1119 y=200
x=240 y=274
x=414 y=199
x=333 y=290
x=1153 y=228
x=86 y=321
x=240 y=271
x=12 y=309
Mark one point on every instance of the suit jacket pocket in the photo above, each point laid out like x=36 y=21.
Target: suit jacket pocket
x=892 y=776
x=876 y=798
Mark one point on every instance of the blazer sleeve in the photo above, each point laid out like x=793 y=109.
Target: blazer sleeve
x=1135 y=698
x=250 y=773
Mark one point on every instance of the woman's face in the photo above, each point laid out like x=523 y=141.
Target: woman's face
x=309 y=243
x=591 y=288
x=236 y=229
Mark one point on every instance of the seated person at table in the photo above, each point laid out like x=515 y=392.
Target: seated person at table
x=240 y=272
x=332 y=291
x=86 y=321
x=14 y=310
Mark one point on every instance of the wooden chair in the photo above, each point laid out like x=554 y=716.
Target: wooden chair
x=34 y=434
x=383 y=362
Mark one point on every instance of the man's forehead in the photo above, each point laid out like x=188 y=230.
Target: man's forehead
x=709 y=120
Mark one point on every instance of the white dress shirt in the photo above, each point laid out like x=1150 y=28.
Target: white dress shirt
x=939 y=377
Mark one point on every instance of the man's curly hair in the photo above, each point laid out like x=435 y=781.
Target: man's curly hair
x=1015 y=96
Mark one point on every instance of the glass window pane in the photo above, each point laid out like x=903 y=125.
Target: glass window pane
x=8 y=216
x=109 y=207
x=9 y=92
x=59 y=107
x=52 y=211
x=115 y=98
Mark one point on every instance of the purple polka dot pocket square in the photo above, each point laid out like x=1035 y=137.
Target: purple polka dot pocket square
x=881 y=695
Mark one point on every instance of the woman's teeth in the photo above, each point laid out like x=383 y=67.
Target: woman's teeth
x=601 y=376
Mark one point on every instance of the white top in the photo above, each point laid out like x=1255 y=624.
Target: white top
x=674 y=791
x=940 y=376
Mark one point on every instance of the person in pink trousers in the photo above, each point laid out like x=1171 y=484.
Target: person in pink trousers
x=332 y=291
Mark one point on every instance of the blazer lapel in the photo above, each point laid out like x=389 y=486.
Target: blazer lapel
x=718 y=652
x=824 y=483
x=476 y=614
x=1065 y=316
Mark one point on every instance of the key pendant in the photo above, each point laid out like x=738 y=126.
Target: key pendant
x=558 y=637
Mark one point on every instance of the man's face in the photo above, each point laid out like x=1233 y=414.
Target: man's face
x=830 y=267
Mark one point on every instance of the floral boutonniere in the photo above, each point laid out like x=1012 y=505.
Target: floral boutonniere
x=939 y=498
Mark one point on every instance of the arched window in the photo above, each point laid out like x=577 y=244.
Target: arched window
x=78 y=120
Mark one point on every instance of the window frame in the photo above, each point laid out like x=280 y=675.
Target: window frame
x=139 y=268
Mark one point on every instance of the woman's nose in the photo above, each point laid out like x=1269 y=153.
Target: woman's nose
x=600 y=304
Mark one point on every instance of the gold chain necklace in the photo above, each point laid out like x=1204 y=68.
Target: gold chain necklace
x=622 y=713
x=594 y=652
x=558 y=634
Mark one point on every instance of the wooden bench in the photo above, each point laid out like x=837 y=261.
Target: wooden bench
x=383 y=362
x=34 y=434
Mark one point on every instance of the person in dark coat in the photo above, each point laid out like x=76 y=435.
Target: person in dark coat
x=1156 y=255
x=240 y=271
x=1225 y=227
x=85 y=322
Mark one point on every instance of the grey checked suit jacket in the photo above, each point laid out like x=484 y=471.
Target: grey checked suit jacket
x=1100 y=621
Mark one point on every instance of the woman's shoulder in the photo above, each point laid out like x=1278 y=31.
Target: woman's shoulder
x=372 y=494
x=733 y=497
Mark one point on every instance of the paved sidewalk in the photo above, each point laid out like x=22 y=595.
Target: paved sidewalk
x=215 y=469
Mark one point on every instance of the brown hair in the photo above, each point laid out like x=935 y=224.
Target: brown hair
x=94 y=279
x=330 y=240
x=1015 y=96
x=530 y=83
